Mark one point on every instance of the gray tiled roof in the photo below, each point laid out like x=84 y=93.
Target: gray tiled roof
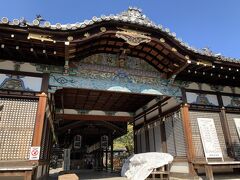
x=132 y=15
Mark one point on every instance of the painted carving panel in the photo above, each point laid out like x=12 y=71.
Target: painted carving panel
x=108 y=72
x=202 y=99
x=230 y=101
x=19 y=82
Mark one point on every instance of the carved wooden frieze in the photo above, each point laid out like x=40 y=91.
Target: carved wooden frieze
x=133 y=38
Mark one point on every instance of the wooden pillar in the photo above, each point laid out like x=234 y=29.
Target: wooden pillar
x=66 y=159
x=226 y=132
x=146 y=133
x=209 y=172
x=38 y=130
x=162 y=131
x=106 y=160
x=163 y=136
x=188 y=136
x=134 y=138
x=111 y=153
x=101 y=158
x=28 y=175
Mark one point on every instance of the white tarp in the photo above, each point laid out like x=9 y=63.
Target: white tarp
x=140 y=166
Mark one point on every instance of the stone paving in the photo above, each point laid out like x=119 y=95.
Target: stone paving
x=89 y=175
x=102 y=175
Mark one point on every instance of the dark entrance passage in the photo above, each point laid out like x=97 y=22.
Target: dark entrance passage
x=87 y=122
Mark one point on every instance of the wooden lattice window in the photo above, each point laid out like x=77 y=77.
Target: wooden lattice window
x=17 y=120
x=176 y=144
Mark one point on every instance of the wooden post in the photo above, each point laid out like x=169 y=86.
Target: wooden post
x=66 y=159
x=209 y=172
x=134 y=138
x=28 y=175
x=111 y=153
x=163 y=136
x=162 y=131
x=226 y=132
x=146 y=134
x=38 y=130
x=188 y=135
x=106 y=160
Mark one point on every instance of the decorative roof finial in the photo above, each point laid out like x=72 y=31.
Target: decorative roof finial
x=22 y=21
x=135 y=9
x=40 y=18
x=207 y=51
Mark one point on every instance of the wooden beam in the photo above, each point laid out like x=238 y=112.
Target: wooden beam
x=113 y=127
x=45 y=82
x=71 y=126
x=38 y=130
x=80 y=117
x=111 y=146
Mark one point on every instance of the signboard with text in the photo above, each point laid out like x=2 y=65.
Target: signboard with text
x=211 y=145
x=237 y=125
x=104 y=142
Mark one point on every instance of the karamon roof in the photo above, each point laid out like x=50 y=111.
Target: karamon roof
x=132 y=16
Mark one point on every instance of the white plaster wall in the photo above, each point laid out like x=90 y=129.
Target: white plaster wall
x=227 y=89
x=139 y=121
x=180 y=167
x=151 y=103
x=148 y=105
x=170 y=104
x=7 y=65
x=139 y=111
x=27 y=67
x=237 y=90
x=193 y=85
x=95 y=112
x=122 y=114
x=152 y=114
x=206 y=87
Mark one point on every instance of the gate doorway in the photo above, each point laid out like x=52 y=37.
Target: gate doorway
x=87 y=122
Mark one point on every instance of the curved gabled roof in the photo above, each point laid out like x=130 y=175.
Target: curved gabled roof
x=132 y=16
x=129 y=33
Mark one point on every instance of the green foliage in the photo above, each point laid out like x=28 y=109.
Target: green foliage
x=125 y=141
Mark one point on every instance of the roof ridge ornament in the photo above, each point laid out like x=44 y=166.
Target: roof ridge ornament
x=135 y=15
x=207 y=51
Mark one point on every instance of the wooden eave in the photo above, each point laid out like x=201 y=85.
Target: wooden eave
x=85 y=99
x=156 y=53
x=218 y=73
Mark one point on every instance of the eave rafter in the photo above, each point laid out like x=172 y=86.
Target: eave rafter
x=158 y=54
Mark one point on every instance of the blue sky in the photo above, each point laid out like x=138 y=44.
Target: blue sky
x=200 y=23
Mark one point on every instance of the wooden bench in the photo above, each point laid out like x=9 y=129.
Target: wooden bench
x=160 y=173
x=220 y=165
